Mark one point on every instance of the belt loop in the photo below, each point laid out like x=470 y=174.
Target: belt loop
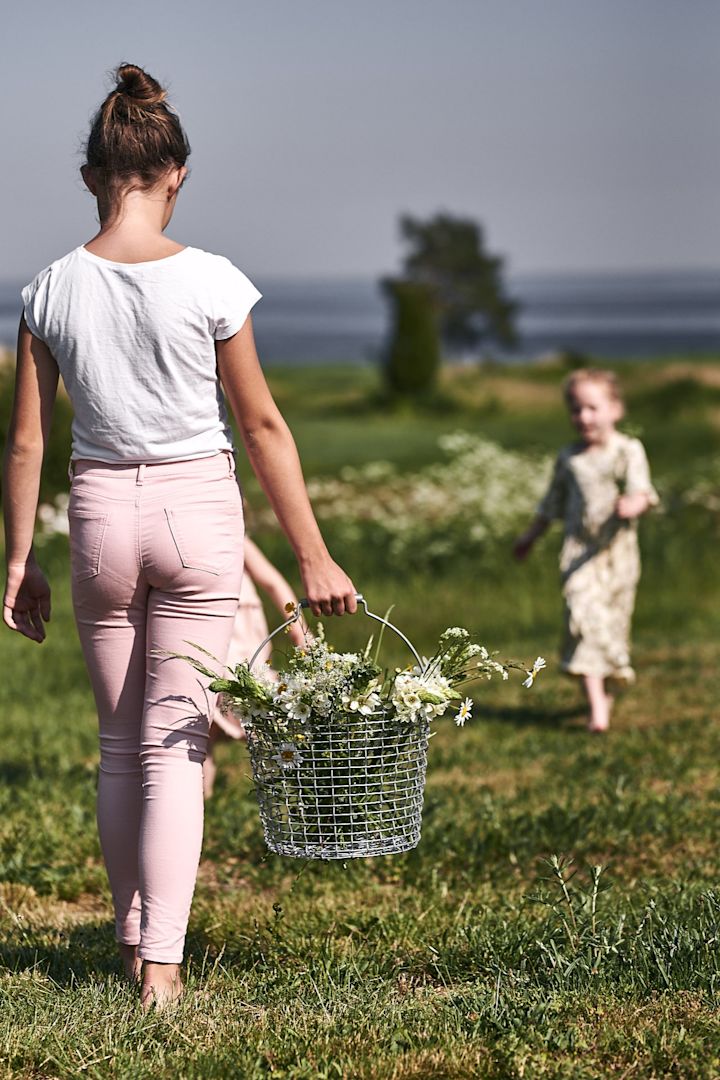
x=231 y=463
x=140 y=475
x=71 y=470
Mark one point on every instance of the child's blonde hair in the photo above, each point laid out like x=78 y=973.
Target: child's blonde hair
x=606 y=379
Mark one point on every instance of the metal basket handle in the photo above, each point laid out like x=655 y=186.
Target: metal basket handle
x=370 y=614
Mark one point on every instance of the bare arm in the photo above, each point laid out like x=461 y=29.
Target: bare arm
x=551 y=506
x=634 y=505
x=274 y=458
x=524 y=543
x=26 y=605
x=268 y=578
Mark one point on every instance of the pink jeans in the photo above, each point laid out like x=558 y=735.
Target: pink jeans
x=156 y=555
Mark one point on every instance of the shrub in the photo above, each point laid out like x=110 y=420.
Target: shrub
x=413 y=356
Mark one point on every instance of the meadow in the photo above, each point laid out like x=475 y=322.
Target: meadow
x=561 y=915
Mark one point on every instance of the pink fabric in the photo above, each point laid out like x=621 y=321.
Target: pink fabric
x=156 y=554
x=249 y=630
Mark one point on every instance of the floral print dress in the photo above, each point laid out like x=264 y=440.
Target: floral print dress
x=600 y=557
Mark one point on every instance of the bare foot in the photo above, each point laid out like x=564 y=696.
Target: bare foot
x=161 y=986
x=599 y=721
x=131 y=962
x=594 y=686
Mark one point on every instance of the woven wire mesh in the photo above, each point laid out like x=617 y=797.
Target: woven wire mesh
x=352 y=787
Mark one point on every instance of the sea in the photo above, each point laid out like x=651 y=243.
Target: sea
x=601 y=315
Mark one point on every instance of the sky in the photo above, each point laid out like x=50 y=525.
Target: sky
x=583 y=135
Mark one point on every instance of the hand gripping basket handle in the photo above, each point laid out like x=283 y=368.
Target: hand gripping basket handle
x=370 y=614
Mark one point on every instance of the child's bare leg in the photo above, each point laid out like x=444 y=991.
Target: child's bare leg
x=209 y=774
x=209 y=766
x=131 y=961
x=594 y=686
x=161 y=985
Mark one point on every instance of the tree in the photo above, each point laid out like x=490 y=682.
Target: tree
x=413 y=355
x=447 y=254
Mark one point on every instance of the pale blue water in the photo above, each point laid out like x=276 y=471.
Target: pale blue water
x=612 y=315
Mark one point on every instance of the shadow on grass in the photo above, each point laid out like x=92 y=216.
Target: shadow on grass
x=81 y=954
x=16 y=773
x=71 y=957
x=535 y=715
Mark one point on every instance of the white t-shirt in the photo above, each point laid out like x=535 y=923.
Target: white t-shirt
x=134 y=343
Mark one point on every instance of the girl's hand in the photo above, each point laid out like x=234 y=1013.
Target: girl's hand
x=328 y=588
x=26 y=605
x=523 y=546
x=632 y=506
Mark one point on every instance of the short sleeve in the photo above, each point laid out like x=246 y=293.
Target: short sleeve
x=233 y=300
x=552 y=504
x=637 y=479
x=34 y=299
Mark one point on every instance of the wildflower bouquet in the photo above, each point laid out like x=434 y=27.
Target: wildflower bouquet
x=338 y=746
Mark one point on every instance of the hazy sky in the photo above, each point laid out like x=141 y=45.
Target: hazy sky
x=584 y=134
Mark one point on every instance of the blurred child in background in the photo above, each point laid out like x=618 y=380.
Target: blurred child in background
x=600 y=488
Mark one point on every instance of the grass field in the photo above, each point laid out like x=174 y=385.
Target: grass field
x=561 y=916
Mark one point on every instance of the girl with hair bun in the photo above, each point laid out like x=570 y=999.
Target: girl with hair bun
x=147 y=333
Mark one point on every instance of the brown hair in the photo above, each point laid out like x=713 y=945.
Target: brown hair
x=135 y=135
x=606 y=379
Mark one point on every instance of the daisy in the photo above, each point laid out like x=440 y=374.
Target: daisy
x=464 y=712
x=288 y=756
x=539 y=664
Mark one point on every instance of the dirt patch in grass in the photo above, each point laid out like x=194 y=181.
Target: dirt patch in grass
x=489 y=390
x=649 y=856
x=20 y=903
x=705 y=374
x=456 y=1064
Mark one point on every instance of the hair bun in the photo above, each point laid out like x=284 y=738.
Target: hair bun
x=137 y=84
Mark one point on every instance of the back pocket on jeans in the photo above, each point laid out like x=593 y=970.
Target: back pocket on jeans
x=87 y=532
x=212 y=543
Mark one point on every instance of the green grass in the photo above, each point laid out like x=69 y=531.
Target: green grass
x=485 y=952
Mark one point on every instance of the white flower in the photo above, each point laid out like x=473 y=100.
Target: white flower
x=299 y=710
x=464 y=712
x=539 y=664
x=288 y=756
x=410 y=699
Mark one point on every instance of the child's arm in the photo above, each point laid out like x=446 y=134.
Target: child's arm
x=639 y=494
x=551 y=506
x=633 y=506
x=523 y=544
x=268 y=578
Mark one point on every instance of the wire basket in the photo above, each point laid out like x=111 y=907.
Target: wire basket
x=355 y=790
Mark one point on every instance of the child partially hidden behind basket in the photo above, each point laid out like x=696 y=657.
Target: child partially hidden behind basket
x=600 y=487
x=249 y=631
